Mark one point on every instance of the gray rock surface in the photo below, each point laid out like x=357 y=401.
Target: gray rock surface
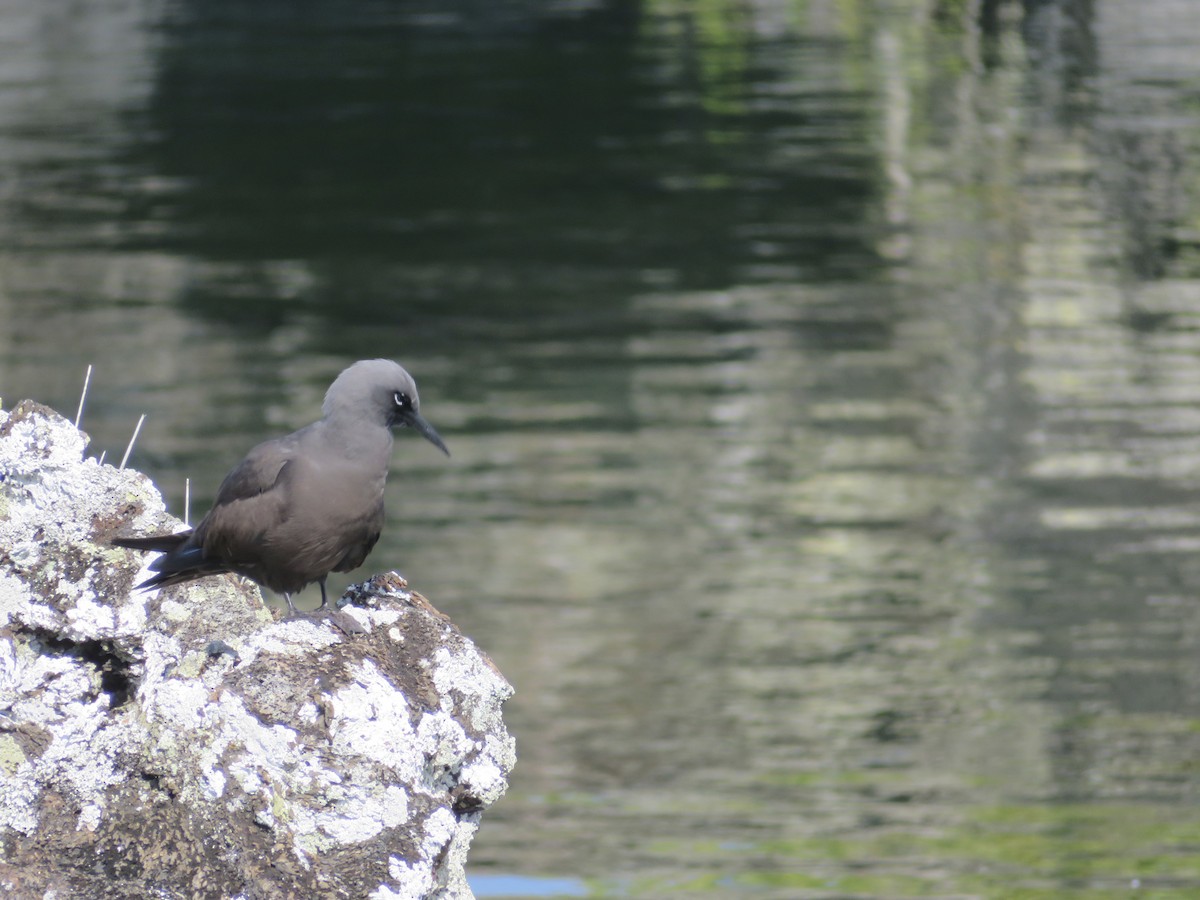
x=186 y=743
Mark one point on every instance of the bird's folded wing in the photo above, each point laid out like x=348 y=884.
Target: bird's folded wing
x=263 y=469
x=251 y=503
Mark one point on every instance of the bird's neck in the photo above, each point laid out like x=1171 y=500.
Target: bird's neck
x=355 y=439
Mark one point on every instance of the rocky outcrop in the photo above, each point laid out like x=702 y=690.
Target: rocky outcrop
x=189 y=743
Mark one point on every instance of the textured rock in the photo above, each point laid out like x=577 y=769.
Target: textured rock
x=184 y=743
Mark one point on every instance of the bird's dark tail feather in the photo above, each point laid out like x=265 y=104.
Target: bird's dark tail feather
x=166 y=579
x=158 y=543
x=177 y=565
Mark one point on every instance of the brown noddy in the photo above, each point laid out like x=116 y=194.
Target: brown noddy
x=302 y=506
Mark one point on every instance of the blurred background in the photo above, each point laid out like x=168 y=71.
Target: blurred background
x=822 y=379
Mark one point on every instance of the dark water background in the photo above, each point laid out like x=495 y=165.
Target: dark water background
x=823 y=382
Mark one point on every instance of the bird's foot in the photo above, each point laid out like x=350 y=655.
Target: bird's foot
x=346 y=622
x=339 y=619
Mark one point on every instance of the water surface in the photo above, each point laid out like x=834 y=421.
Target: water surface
x=822 y=382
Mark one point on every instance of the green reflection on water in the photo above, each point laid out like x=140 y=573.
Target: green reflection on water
x=1039 y=850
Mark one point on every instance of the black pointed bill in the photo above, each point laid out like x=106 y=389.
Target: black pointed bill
x=424 y=429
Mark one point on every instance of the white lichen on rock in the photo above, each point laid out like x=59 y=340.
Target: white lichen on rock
x=295 y=759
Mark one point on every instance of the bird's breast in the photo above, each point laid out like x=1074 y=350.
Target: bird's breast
x=338 y=491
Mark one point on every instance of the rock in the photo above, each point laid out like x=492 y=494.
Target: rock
x=185 y=743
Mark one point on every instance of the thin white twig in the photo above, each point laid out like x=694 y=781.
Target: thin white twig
x=87 y=379
x=187 y=501
x=100 y=461
x=129 y=449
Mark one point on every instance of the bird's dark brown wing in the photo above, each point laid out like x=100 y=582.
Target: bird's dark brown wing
x=258 y=473
x=357 y=555
x=251 y=503
x=213 y=547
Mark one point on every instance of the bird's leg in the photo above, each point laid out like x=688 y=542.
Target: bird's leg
x=291 y=606
x=341 y=619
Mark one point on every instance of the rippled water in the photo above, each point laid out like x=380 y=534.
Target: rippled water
x=823 y=384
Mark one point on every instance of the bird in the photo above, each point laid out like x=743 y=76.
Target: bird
x=301 y=506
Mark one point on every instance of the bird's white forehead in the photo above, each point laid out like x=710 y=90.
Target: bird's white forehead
x=366 y=379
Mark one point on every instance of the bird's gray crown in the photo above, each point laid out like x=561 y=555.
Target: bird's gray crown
x=368 y=389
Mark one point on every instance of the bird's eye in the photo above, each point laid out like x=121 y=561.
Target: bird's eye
x=402 y=400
